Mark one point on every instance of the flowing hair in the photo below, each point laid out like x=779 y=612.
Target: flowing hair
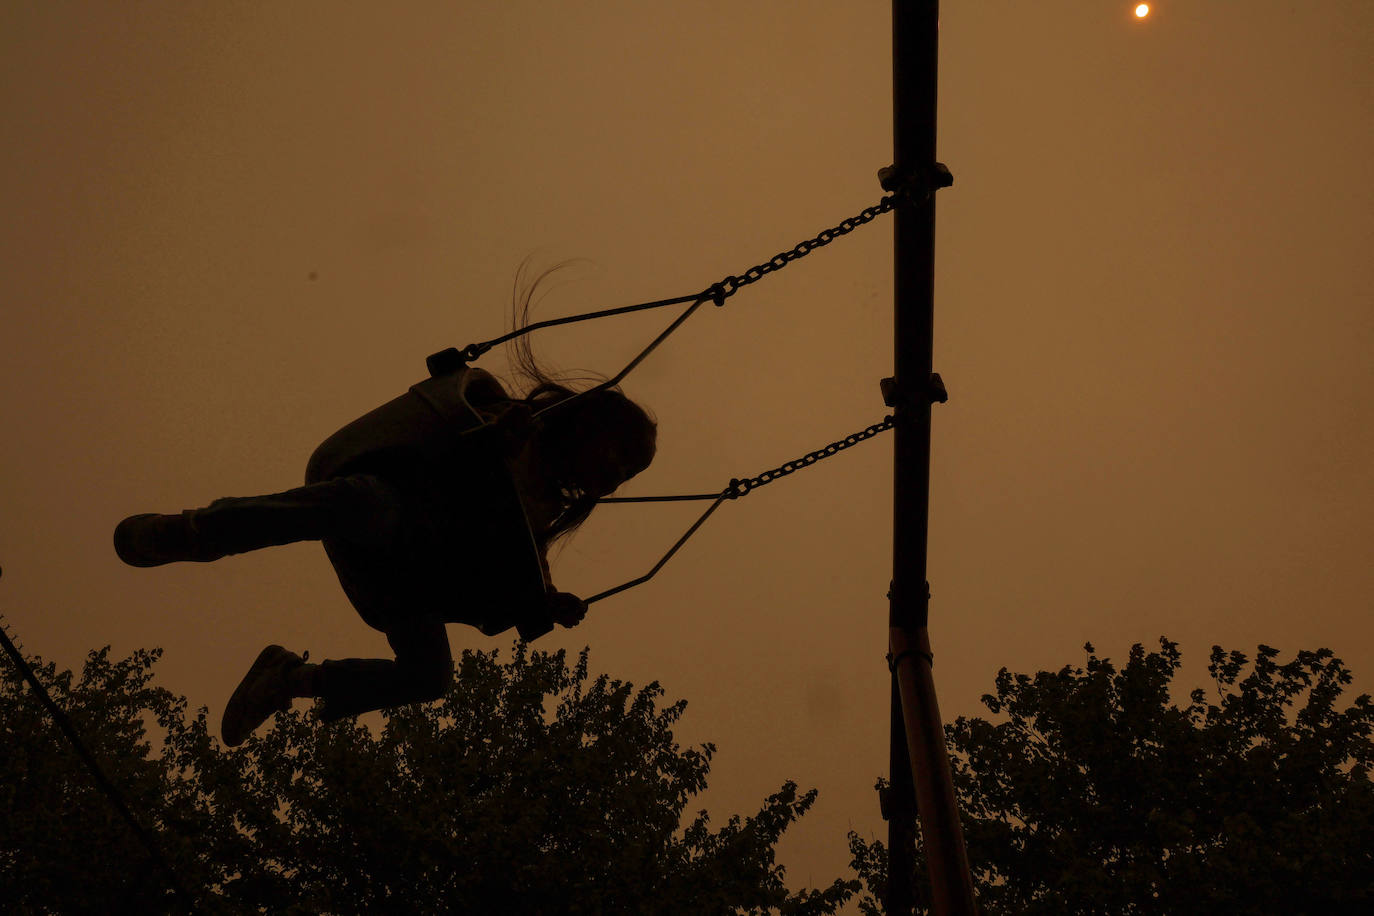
x=607 y=414
x=545 y=386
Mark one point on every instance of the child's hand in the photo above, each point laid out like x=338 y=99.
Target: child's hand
x=567 y=608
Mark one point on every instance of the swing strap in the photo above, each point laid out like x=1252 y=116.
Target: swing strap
x=735 y=490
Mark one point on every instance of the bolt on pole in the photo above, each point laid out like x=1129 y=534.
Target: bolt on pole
x=917 y=733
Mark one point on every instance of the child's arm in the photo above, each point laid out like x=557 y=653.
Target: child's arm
x=559 y=607
x=565 y=607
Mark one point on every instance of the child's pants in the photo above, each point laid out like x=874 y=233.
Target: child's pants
x=360 y=512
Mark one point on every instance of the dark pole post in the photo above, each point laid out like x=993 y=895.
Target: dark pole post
x=916 y=727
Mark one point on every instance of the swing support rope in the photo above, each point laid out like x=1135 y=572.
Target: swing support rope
x=452 y=358
x=902 y=188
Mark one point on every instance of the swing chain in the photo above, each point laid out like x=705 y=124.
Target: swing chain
x=453 y=358
x=719 y=292
x=739 y=487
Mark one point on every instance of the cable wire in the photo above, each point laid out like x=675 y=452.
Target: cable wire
x=111 y=791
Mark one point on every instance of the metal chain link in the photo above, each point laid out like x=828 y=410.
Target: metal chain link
x=719 y=292
x=739 y=488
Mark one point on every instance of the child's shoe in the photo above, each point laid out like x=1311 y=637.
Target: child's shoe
x=263 y=691
x=152 y=540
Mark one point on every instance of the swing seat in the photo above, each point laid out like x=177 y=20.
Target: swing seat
x=479 y=564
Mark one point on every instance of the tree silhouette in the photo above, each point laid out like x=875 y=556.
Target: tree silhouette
x=531 y=788
x=1096 y=794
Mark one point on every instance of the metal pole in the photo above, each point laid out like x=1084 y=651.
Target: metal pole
x=915 y=43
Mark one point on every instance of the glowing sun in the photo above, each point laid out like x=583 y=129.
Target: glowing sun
x=1142 y=10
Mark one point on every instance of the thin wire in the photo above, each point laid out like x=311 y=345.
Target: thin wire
x=109 y=788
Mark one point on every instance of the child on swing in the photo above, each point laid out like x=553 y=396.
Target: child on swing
x=439 y=507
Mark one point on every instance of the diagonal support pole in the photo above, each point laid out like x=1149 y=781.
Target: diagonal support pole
x=917 y=733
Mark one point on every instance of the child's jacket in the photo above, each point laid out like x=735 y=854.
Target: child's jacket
x=469 y=556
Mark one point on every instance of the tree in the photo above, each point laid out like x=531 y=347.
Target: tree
x=1095 y=794
x=531 y=788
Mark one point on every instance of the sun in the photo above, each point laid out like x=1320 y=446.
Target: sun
x=1142 y=10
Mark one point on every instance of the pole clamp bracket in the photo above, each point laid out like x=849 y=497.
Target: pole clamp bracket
x=894 y=660
x=895 y=395
x=915 y=187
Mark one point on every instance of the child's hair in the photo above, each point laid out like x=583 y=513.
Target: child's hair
x=606 y=416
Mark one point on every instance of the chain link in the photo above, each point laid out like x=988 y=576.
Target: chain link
x=719 y=292
x=739 y=488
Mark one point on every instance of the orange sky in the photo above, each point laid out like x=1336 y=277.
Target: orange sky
x=1155 y=315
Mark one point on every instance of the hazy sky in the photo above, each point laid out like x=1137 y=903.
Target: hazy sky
x=230 y=228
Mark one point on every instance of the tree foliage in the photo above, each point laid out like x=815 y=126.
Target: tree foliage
x=531 y=788
x=1096 y=794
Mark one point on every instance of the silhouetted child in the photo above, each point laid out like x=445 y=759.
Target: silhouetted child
x=438 y=507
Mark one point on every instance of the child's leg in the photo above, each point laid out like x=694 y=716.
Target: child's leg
x=361 y=509
x=421 y=672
